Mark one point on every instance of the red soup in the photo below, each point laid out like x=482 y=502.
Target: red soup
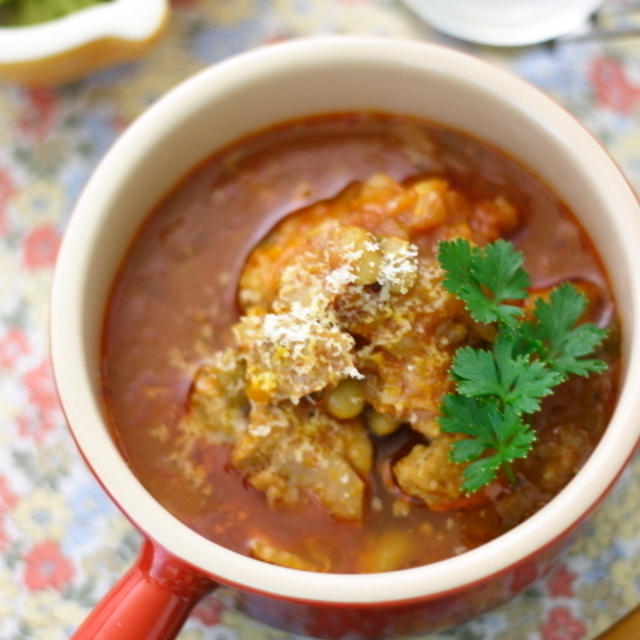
x=285 y=351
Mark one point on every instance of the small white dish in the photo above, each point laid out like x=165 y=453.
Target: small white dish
x=63 y=49
x=505 y=22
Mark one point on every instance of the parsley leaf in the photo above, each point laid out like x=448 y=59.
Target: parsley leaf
x=560 y=345
x=501 y=431
x=461 y=414
x=515 y=380
x=480 y=473
x=484 y=278
x=496 y=387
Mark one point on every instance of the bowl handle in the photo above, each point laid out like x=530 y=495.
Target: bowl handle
x=150 y=602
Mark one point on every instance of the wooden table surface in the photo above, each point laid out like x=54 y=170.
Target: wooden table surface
x=627 y=629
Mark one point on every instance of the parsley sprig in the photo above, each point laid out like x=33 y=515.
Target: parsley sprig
x=486 y=279
x=497 y=387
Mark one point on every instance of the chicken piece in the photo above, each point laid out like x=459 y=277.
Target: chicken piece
x=423 y=309
x=218 y=405
x=412 y=339
x=301 y=346
x=428 y=473
x=260 y=278
x=380 y=311
x=408 y=389
x=379 y=206
x=290 y=355
x=289 y=449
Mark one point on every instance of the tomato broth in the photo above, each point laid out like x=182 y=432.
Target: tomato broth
x=175 y=300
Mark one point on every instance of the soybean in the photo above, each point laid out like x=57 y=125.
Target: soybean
x=346 y=400
x=380 y=423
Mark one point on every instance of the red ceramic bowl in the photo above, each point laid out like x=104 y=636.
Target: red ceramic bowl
x=244 y=95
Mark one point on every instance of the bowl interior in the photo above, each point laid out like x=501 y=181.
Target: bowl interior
x=284 y=82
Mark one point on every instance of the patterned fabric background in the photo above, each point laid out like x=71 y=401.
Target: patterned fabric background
x=62 y=543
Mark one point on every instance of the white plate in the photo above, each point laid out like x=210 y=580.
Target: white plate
x=505 y=22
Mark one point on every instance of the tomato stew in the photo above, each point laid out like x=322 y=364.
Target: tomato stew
x=323 y=452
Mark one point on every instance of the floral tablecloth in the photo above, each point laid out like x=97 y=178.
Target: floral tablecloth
x=62 y=543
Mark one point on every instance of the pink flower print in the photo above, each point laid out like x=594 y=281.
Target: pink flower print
x=40 y=247
x=40 y=386
x=44 y=403
x=34 y=427
x=7 y=188
x=4 y=536
x=560 y=582
x=13 y=345
x=7 y=498
x=612 y=87
x=40 y=113
x=46 y=567
x=562 y=625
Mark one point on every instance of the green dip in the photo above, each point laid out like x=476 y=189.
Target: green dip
x=20 y=13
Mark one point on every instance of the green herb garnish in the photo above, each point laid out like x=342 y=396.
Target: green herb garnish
x=497 y=387
x=485 y=279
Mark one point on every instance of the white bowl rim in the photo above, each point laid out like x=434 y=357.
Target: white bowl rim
x=133 y=20
x=539 y=531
